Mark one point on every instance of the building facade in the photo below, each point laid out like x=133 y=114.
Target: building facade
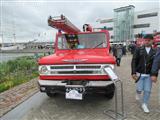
x=145 y=22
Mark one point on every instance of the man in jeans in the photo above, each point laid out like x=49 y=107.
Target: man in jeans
x=155 y=66
x=141 y=69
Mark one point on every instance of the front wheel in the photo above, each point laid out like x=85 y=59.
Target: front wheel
x=51 y=94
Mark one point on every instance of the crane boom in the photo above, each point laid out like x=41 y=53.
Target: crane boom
x=62 y=23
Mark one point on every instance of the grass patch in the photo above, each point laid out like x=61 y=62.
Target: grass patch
x=15 y=72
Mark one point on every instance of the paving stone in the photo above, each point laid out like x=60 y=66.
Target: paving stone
x=93 y=106
x=14 y=96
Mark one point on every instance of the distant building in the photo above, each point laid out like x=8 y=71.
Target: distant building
x=123 y=22
x=146 y=22
x=38 y=45
x=32 y=45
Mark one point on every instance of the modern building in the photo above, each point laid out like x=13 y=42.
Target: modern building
x=127 y=24
x=147 y=21
x=123 y=22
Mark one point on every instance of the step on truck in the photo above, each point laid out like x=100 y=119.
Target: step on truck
x=76 y=68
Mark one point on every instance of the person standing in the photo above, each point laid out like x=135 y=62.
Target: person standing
x=114 y=50
x=141 y=69
x=124 y=49
x=118 y=54
x=132 y=47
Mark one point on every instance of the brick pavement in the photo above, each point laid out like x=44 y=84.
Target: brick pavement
x=92 y=107
x=14 y=96
x=132 y=107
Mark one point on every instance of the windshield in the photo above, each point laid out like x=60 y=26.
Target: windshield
x=82 y=41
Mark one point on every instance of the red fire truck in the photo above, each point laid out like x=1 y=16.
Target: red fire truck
x=77 y=66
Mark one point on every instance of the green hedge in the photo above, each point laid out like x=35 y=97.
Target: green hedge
x=15 y=72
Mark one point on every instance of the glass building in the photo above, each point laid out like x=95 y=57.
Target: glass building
x=123 y=24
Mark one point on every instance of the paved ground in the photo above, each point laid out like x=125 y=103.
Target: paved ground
x=93 y=106
x=13 y=97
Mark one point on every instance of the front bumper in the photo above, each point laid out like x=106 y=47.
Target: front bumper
x=57 y=85
x=60 y=83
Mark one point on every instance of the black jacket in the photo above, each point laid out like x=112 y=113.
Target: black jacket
x=141 y=61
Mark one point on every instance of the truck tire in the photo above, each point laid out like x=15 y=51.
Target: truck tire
x=110 y=91
x=51 y=94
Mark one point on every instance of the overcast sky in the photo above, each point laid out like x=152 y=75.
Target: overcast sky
x=28 y=18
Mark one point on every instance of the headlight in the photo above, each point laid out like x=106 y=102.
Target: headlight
x=43 y=70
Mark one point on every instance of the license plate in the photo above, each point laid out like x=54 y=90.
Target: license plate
x=74 y=94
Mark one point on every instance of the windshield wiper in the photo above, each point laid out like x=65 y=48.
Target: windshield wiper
x=98 y=45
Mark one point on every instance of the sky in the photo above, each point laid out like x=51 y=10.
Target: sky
x=27 y=19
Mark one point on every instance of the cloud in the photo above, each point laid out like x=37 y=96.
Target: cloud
x=28 y=19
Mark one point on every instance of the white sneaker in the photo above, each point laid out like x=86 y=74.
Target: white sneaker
x=145 y=108
x=138 y=96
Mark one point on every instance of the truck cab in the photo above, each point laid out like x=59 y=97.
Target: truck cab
x=77 y=66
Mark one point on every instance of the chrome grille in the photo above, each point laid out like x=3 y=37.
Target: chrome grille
x=88 y=67
x=75 y=72
x=62 y=67
x=78 y=69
